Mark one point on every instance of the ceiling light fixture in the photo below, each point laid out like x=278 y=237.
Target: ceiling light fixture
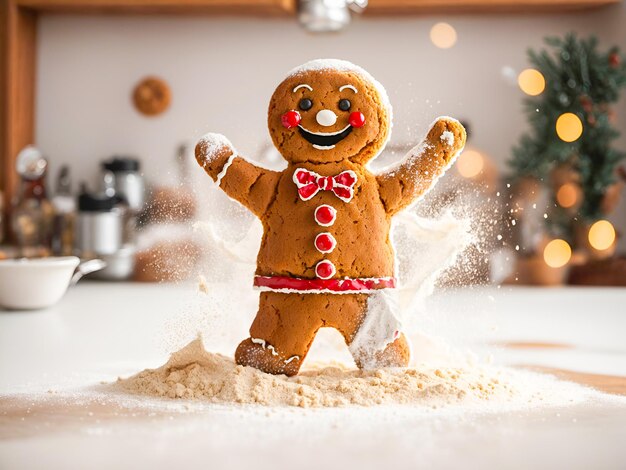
x=321 y=16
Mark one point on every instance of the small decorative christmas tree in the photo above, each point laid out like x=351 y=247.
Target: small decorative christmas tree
x=571 y=134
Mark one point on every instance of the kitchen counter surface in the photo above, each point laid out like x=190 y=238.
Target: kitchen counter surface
x=101 y=331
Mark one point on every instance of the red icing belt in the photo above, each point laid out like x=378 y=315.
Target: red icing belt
x=283 y=283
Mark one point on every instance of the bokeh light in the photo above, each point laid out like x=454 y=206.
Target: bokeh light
x=569 y=127
x=443 y=35
x=531 y=82
x=601 y=235
x=557 y=253
x=568 y=195
x=470 y=163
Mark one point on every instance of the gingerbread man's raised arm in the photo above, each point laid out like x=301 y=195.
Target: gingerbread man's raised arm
x=402 y=184
x=252 y=186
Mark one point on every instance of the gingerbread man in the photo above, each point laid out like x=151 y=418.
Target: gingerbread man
x=326 y=250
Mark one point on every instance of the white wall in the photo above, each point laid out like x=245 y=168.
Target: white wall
x=223 y=70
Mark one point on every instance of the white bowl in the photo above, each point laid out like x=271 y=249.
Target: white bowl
x=28 y=284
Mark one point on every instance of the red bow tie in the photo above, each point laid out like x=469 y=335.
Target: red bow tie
x=310 y=183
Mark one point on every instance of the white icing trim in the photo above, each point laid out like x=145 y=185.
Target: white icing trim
x=322 y=147
x=299 y=185
x=286 y=290
x=377 y=280
x=225 y=168
x=333 y=242
x=318 y=291
x=353 y=174
x=271 y=348
x=349 y=87
x=302 y=85
x=264 y=345
x=294 y=177
x=324 y=134
x=347 y=199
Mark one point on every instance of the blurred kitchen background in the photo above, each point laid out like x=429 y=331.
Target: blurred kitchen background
x=121 y=99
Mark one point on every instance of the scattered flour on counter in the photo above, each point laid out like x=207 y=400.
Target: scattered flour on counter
x=194 y=373
x=203 y=285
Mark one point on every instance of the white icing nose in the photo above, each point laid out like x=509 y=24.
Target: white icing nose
x=326 y=117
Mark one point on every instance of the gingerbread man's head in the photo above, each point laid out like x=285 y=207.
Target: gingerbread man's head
x=329 y=111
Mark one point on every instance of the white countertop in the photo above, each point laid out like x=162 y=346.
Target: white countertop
x=101 y=331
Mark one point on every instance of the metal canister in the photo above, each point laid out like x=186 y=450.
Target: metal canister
x=100 y=225
x=129 y=183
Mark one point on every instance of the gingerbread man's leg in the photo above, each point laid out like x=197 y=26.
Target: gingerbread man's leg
x=282 y=333
x=349 y=318
x=396 y=354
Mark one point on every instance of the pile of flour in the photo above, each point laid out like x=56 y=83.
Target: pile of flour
x=194 y=373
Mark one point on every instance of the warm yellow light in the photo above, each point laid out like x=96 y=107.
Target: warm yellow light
x=557 y=253
x=443 y=35
x=531 y=82
x=569 y=127
x=567 y=195
x=601 y=235
x=470 y=163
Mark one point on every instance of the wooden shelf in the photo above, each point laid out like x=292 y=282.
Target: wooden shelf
x=394 y=7
x=239 y=7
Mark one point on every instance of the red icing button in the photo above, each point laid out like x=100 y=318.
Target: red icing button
x=290 y=119
x=325 y=269
x=325 y=242
x=356 y=119
x=325 y=215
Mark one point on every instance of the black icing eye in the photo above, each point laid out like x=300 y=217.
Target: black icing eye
x=305 y=104
x=344 y=105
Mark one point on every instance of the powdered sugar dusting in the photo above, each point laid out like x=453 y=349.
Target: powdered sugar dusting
x=213 y=143
x=438 y=243
x=379 y=328
x=447 y=137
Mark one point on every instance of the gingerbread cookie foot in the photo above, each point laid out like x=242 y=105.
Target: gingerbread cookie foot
x=396 y=354
x=257 y=353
